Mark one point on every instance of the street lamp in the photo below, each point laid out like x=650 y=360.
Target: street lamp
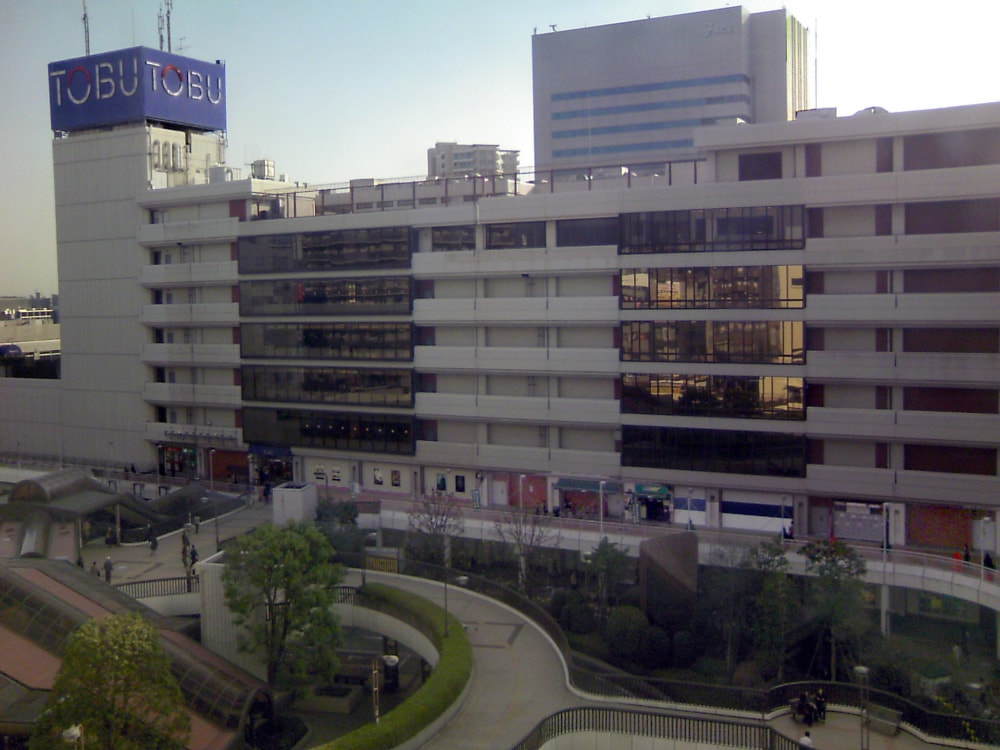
x=600 y=512
x=690 y=523
x=520 y=492
x=862 y=674
x=211 y=470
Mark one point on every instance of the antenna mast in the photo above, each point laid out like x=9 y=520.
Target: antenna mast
x=86 y=29
x=170 y=7
x=159 y=26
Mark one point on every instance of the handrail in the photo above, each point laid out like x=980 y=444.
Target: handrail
x=154 y=587
x=707 y=732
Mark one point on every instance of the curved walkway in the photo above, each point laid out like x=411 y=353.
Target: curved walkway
x=518 y=678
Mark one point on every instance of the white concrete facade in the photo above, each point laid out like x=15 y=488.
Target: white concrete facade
x=559 y=340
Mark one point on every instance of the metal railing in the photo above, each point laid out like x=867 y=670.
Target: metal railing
x=160 y=587
x=704 y=731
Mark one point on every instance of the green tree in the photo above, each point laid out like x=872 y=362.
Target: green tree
x=725 y=593
x=115 y=686
x=837 y=590
x=280 y=584
x=777 y=608
x=610 y=564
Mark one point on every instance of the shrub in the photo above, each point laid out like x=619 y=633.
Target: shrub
x=578 y=619
x=625 y=633
x=685 y=652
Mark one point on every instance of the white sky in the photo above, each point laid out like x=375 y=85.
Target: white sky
x=337 y=89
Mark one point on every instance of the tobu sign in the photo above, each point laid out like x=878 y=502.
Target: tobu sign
x=136 y=84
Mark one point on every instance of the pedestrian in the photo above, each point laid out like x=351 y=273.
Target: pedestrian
x=108 y=567
x=154 y=542
x=109 y=537
x=194 y=556
x=806 y=740
x=184 y=556
x=197 y=524
x=966 y=555
x=93 y=569
x=820 y=705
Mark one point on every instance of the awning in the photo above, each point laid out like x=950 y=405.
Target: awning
x=587 y=485
x=653 y=490
x=270 y=451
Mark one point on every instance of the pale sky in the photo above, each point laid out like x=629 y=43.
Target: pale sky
x=333 y=90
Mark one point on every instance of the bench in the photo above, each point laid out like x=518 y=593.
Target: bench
x=884 y=720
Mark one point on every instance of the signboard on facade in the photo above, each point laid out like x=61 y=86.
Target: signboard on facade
x=136 y=84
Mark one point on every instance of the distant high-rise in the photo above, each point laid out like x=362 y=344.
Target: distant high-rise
x=632 y=93
x=448 y=159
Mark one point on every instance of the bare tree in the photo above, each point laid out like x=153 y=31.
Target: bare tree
x=434 y=523
x=529 y=535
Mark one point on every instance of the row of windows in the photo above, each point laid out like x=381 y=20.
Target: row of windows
x=740 y=342
x=717 y=451
x=390 y=247
x=375 y=433
x=756 y=228
x=736 y=287
x=329 y=385
x=751 y=228
x=366 y=341
x=743 y=397
x=619 y=109
x=378 y=296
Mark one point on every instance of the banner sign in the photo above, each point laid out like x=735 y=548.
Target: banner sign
x=133 y=85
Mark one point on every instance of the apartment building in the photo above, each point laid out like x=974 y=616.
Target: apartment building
x=449 y=159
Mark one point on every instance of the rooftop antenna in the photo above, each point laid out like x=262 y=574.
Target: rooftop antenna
x=170 y=7
x=86 y=29
x=159 y=26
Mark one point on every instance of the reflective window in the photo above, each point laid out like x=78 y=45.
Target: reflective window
x=326 y=251
x=445 y=239
x=515 y=235
x=585 y=232
x=328 y=385
x=743 y=397
x=752 y=228
x=377 y=433
x=737 y=341
x=717 y=451
x=388 y=341
x=757 y=287
x=385 y=296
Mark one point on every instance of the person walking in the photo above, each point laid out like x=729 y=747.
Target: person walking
x=154 y=542
x=194 y=556
x=93 y=569
x=806 y=740
x=108 y=567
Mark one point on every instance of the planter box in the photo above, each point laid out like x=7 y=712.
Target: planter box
x=344 y=703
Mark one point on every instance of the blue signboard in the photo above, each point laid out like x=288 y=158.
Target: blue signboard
x=136 y=84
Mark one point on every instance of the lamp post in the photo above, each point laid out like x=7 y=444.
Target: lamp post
x=690 y=523
x=600 y=512
x=211 y=470
x=862 y=674
x=784 y=498
x=520 y=492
